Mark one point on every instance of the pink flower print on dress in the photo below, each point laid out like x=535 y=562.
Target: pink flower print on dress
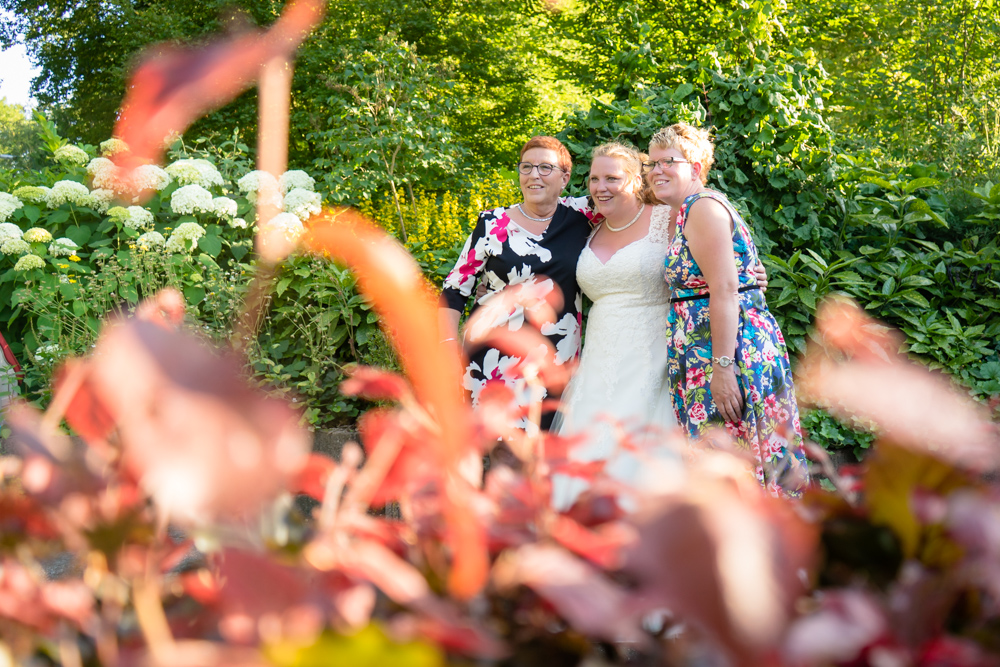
x=695 y=377
x=770 y=406
x=697 y=413
x=470 y=267
x=500 y=227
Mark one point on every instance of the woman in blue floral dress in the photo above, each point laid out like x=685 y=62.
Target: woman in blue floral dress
x=726 y=357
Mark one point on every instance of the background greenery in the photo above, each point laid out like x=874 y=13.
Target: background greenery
x=861 y=139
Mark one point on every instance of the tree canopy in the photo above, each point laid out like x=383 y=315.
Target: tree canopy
x=905 y=81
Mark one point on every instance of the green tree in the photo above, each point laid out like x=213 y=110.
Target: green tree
x=385 y=124
x=18 y=137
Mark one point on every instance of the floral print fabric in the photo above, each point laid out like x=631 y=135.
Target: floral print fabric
x=498 y=253
x=769 y=427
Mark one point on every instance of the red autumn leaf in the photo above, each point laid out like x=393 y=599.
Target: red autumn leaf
x=846 y=623
x=390 y=279
x=375 y=385
x=21 y=517
x=312 y=479
x=173 y=86
x=583 y=469
x=604 y=545
x=85 y=413
x=409 y=469
x=42 y=604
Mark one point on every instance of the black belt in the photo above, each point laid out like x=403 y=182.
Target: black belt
x=694 y=297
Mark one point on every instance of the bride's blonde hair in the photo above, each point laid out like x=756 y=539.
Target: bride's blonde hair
x=631 y=161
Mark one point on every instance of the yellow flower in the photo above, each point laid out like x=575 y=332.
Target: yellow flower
x=63 y=266
x=74 y=258
x=71 y=280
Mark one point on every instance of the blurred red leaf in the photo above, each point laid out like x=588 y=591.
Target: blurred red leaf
x=312 y=479
x=85 y=413
x=388 y=276
x=409 y=468
x=173 y=85
x=375 y=385
x=604 y=545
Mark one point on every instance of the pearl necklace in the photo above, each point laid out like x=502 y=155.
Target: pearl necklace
x=624 y=227
x=518 y=206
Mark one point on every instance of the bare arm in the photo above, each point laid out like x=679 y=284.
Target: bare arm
x=710 y=235
x=448 y=323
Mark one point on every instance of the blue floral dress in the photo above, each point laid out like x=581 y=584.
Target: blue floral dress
x=770 y=424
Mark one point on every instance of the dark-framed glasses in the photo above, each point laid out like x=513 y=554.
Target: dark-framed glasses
x=544 y=169
x=663 y=162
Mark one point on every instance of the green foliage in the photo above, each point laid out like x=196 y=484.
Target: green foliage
x=385 y=126
x=18 y=138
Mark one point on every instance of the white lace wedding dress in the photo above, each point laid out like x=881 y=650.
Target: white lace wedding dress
x=621 y=382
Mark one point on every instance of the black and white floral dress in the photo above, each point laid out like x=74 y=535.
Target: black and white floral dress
x=499 y=253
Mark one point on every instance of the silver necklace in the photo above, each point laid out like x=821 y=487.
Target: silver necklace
x=624 y=227
x=533 y=219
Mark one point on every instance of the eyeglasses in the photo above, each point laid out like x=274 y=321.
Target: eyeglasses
x=663 y=162
x=544 y=169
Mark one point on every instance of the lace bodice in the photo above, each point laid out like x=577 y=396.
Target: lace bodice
x=630 y=302
x=633 y=276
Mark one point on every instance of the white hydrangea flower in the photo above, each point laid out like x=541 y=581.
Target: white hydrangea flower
x=133 y=217
x=113 y=146
x=37 y=235
x=191 y=171
x=289 y=223
x=302 y=203
x=238 y=223
x=100 y=200
x=150 y=177
x=191 y=199
x=99 y=165
x=63 y=247
x=150 y=240
x=15 y=247
x=296 y=178
x=68 y=191
x=34 y=194
x=224 y=207
x=8 y=204
x=29 y=262
x=71 y=154
x=8 y=230
x=258 y=181
x=48 y=353
x=185 y=237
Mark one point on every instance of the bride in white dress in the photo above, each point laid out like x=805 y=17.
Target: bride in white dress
x=621 y=385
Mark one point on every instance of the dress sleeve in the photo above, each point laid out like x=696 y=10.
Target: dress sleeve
x=578 y=204
x=461 y=281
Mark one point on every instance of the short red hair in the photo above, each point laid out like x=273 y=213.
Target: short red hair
x=552 y=144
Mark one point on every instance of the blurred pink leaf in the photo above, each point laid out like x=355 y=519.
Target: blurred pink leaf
x=580 y=593
x=858 y=373
x=201 y=441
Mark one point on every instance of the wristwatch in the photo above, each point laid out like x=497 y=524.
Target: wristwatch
x=723 y=361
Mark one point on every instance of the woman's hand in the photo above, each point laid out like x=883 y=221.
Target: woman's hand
x=761 y=275
x=726 y=393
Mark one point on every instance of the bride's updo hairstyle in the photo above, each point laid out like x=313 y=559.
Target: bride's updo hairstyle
x=631 y=161
x=694 y=143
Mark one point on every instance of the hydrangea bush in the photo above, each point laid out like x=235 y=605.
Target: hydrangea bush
x=73 y=247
